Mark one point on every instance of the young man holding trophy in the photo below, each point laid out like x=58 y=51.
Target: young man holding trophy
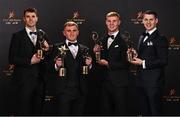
x=25 y=55
x=112 y=58
x=68 y=71
x=151 y=61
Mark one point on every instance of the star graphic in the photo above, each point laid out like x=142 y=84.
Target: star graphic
x=63 y=49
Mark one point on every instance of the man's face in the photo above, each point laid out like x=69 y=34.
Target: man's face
x=149 y=21
x=112 y=23
x=71 y=33
x=30 y=19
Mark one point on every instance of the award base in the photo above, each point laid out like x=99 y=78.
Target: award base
x=98 y=56
x=62 y=72
x=40 y=53
x=85 y=70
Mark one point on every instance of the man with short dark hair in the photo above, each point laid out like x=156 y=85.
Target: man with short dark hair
x=27 y=76
x=152 y=59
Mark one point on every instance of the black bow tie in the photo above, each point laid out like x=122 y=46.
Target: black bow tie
x=146 y=34
x=35 y=33
x=110 y=36
x=75 y=44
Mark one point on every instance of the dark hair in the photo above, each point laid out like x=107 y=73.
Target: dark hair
x=150 y=12
x=32 y=10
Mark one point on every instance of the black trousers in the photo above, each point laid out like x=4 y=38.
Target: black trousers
x=114 y=100
x=29 y=98
x=149 y=101
x=70 y=104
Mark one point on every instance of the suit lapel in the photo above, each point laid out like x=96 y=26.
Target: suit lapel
x=152 y=36
x=28 y=40
x=149 y=39
x=80 y=50
x=140 y=41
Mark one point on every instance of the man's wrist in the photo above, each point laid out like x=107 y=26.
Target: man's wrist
x=56 y=67
x=143 y=64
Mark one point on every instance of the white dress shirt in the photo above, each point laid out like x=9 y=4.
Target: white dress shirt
x=110 y=40
x=150 y=32
x=33 y=37
x=73 y=49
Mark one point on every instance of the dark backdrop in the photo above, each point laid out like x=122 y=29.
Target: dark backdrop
x=90 y=15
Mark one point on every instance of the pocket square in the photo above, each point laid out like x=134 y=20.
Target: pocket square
x=116 y=46
x=150 y=43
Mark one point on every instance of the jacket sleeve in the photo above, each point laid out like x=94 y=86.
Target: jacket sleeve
x=15 y=56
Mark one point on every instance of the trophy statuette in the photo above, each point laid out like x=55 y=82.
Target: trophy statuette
x=98 y=43
x=85 y=67
x=131 y=52
x=44 y=46
x=62 y=54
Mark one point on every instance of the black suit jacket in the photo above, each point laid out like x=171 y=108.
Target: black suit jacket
x=74 y=83
x=155 y=53
x=117 y=72
x=20 y=53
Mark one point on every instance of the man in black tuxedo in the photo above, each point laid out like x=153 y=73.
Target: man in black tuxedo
x=114 y=67
x=152 y=59
x=27 y=75
x=70 y=89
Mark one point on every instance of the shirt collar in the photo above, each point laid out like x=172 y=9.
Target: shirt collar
x=151 y=31
x=28 y=30
x=115 y=34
